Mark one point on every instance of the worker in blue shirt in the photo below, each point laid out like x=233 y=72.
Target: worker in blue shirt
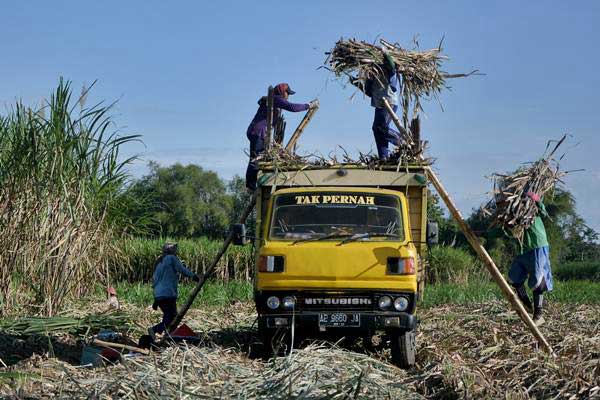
x=258 y=127
x=386 y=87
x=167 y=269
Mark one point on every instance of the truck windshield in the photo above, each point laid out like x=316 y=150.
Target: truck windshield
x=330 y=215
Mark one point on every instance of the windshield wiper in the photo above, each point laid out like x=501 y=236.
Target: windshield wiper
x=330 y=236
x=359 y=236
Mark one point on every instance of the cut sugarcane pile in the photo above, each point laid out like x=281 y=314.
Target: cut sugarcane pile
x=510 y=207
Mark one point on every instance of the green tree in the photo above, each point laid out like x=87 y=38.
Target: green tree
x=186 y=201
x=236 y=189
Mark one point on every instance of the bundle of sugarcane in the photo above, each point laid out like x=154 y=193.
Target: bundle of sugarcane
x=52 y=325
x=510 y=206
x=362 y=62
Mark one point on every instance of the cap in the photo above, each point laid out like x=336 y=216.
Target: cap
x=282 y=88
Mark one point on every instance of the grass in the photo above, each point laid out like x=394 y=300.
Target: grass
x=136 y=263
x=212 y=294
x=577 y=270
x=570 y=292
x=220 y=294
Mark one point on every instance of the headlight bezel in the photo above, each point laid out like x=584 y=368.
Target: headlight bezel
x=273 y=302
x=288 y=299
x=387 y=300
x=397 y=302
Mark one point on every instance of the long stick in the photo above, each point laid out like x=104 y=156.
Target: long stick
x=269 y=117
x=307 y=117
x=102 y=343
x=401 y=129
x=489 y=263
x=480 y=250
x=211 y=269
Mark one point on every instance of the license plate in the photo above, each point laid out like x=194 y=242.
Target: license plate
x=339 y=320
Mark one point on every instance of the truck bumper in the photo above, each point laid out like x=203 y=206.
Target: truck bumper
x=368 y=322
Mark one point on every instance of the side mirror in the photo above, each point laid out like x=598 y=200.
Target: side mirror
x=239 y=234
x=432 y=233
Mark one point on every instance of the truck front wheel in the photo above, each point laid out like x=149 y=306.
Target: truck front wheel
x=404 y=349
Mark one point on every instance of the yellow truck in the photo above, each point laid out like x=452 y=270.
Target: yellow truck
x=339 y=253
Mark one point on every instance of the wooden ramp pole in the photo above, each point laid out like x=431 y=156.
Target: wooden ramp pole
x=269 y=117
x=211 y=269
x=479 y=249
x=296 y=135
x=489 y=263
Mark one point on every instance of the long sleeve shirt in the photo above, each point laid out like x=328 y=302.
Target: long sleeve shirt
x=166 y=277
x=258 y=126
x=389 y=88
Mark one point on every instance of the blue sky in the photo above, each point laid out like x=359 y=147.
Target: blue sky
x=188 y=74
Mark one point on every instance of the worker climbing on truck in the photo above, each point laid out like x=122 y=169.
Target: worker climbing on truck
x=533 y=264
x=258 y=127
x=167 y=269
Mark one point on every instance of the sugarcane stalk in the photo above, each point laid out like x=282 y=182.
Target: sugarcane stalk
x=407 y=138
x=111 y=345
x=291 y=145
x=269 y=117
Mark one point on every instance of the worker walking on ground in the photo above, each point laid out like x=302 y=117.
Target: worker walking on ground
x=533 y=264
x=167 y=269
x=258 y=127
x=386 y=87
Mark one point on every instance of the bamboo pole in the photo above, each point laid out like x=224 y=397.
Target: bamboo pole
x=102 y=343
x=296 y=135
x=211 y=269
x=405 y=135
x=269 y=117
x=480 y=250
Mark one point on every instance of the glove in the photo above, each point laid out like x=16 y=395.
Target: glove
x=196 y=278
x=155 y=305
x=313 y=104
x=534 y=196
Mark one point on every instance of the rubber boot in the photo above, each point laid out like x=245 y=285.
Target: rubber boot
x=522 y=294
x=538 y=302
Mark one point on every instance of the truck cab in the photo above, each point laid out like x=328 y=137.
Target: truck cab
x=338 y=252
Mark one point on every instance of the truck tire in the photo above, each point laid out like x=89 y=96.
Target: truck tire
x=404 y=349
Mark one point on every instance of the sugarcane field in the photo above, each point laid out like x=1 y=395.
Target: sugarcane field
x=322 y=200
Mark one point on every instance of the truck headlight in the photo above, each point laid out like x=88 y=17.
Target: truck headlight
x=385 y=302
x=401 y=303
x=289 y=302
x=273 y=302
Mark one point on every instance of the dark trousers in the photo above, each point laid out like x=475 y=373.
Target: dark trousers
x=384 y=135
x=257 y=146
x=168 y=307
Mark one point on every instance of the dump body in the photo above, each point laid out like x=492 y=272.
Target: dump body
x=335 y=245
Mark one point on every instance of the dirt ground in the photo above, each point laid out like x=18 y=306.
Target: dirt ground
x=477 y=351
